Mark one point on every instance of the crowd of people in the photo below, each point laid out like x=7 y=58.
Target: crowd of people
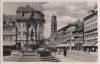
x=58 y=50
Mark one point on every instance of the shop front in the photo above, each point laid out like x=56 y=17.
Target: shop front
x=90 y=47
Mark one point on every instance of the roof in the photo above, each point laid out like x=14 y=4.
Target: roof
x=90 y=15
x=26 y=9
x=70 y=24
x=77 y=23
x=63 y=28
x=79 y=27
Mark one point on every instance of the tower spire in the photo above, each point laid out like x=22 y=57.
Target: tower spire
x=53 y=28
x=54 y=15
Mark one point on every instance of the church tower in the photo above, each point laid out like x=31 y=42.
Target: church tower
x=53 y=28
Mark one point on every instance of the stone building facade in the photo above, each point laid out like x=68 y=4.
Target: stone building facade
x=65 y=36
x=9 y=29
x=9 y=32
x=78 y=34
x=90 y=31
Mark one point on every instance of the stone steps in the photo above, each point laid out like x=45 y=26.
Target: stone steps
x=31 y=58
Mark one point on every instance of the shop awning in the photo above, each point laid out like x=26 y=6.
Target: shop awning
x=63 y=45
x=89 y=44
x=96 y=44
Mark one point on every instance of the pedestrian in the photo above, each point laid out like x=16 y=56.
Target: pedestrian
x=59 y=51
x=65 y=51
x=55 y=51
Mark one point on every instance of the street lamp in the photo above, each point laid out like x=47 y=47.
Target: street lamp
x=16 y=34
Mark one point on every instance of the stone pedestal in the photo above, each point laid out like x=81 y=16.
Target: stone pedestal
x=15 y=53
x=45 y=53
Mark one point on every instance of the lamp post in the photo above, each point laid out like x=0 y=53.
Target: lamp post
x=16 y=34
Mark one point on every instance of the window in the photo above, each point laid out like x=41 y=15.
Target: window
x=24 y=24
x=3 y=37
x=93 y=18
x=19 y=24
x=87 y=20
x=19 y=33
x=85 y=36
x=96 y=17
x=10 y=38
x=24 y=33
x=89 y=36
x=91 y=26
x=96 y=34
x=93 y=34
x=87 y=28
x=95 y=25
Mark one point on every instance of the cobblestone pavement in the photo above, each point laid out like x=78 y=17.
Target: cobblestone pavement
x=72 y=56
x=77 y=56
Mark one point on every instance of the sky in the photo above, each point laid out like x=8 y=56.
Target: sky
x=66 y=12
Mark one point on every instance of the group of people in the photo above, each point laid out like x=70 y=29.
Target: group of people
x=59 y=50
x=20 y=46
x=64 y=50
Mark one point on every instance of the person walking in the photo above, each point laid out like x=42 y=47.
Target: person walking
x=65 y=51
x=59 y=51
x=55 y=50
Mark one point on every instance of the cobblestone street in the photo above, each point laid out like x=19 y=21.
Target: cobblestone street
x=77 y=56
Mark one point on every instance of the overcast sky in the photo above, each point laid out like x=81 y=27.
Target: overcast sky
x=66 y=13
